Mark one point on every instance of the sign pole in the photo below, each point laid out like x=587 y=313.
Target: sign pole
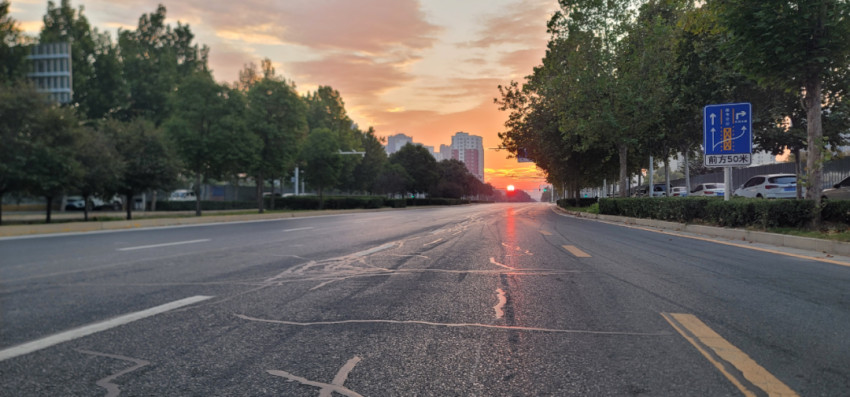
x=727 y=183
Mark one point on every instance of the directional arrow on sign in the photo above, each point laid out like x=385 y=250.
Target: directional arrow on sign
x=740 y=114
x=712 y=116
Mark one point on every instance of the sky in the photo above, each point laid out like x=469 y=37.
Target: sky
x=424 y=68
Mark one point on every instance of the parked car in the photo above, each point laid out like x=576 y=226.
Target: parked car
x=76 y=203
x=658 y=190
x=679 y=191
x=769 y=186
x=838 y=191
x=709 y=190
x=182 y=195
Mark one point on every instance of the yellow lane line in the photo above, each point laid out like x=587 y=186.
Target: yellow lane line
x=719 y=351
x=577 y=252
x=545 y=233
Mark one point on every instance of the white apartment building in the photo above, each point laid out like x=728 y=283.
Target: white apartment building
x=470 y=150
x=396 y=142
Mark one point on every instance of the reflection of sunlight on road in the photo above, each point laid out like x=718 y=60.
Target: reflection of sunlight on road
x=510 y=236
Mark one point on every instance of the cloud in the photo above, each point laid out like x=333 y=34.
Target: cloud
x=524 y=24
x=352 y=75
x=522 y=61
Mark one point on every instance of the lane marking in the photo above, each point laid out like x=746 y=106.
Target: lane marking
x=575 y=251
x=545 y=233
x=499 y=308
x=719 y=351
x=298 y=229
x=373 y=250
x=750 y=247
x=86 y=330
x=112 y=390
x=433 y=242
x=452 y=325
x=141 y=247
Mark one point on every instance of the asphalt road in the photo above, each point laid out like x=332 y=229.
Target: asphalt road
x=485 y=300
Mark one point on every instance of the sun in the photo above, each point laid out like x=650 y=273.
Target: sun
x=511 y=188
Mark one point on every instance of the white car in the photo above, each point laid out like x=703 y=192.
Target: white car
x=679 y=191
x=769 y=186
x=709 y=190
x=839 y=191
x=182 y=195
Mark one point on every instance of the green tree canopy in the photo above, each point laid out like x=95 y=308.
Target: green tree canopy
x=419 y=164
x=321 y=156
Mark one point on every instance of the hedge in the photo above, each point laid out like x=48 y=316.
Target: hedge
x=435 y=201
x=582 y=202
x=733 y=213
x=205 y=205
x=837 y=211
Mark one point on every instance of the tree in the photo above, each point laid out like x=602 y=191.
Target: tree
x=323 y=161
x=156 y=58
x=368 y=169
x=276 y=116
x=65 y=24
x=453 y=180
x=13 y=51
x=392 y=179
x=419 y=165
x=326 y=109
x=101 y=166
x=150 y=163
x=799 y=46
x=208 y=130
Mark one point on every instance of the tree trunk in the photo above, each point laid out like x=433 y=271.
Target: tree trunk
x=197 y=190
x=153 y=201
x=687 y=172
x=260 y=192
x=667 y=175
x=85 y=207
x=1 y=208
x=128 y=204
x=49 y=208
x=798 y=169
x=271 y=203
x=321 y=198
x=814 y=165
x=624 y=167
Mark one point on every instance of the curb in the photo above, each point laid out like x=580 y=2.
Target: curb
x=804 y=243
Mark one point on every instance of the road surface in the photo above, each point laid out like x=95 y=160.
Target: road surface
x=481 y=300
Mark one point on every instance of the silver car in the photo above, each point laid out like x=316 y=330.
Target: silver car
x=839 y=191
x=709 y=190
x=769 y=186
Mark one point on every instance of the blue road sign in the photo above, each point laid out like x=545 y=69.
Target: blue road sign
x=728 y=135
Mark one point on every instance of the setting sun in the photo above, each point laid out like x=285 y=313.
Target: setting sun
x=511 y=188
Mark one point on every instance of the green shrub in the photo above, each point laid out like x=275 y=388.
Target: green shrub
x=205 y=205
x=837 y=211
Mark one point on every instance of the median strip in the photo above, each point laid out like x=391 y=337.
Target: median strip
x=747 y=375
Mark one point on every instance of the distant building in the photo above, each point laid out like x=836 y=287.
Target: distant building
x=470 y=150
x=445 y=153
x=396 y=142
x=51 y=70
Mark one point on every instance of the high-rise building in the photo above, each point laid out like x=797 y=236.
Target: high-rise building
x=396 y=142
x=470 y=150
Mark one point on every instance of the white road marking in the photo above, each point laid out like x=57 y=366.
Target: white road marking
x=298 y=229
x=86 y=330
x=453 y=325
x=327 y=389
x=433 y=242
x=493 y=261
x=373 y=250
x=141 y=247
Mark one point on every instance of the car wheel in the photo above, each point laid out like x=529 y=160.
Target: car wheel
x=759 y=196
